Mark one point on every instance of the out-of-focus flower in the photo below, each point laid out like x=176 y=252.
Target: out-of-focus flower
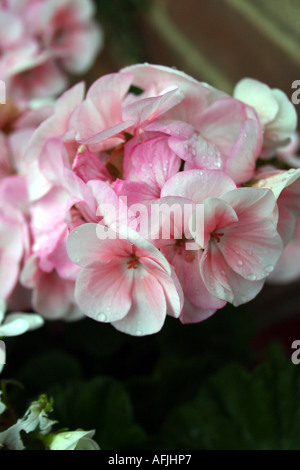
x=17 y=323
x=35 y=420
x=40 y=41
x=74 y=440
x=276 y=113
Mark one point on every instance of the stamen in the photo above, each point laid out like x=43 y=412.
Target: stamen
x=178 y=246
x=217 y=236
x=133 y=262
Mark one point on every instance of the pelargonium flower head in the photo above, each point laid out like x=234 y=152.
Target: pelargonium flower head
x=124 y=279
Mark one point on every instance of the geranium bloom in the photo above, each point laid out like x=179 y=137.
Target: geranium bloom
x=125 y=281
x=240 y=242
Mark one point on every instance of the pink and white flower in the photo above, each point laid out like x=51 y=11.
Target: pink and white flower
x=275 y=111
x=125 y=281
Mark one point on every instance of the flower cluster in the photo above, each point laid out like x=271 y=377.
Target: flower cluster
x=149 y=139
x=41 y=41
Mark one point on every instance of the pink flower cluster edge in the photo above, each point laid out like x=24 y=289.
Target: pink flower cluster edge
x=148 y=136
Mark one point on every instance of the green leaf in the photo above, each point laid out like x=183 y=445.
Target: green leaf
x=236 y=409
x=101 y=404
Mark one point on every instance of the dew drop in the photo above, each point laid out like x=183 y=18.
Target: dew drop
x=67 y=436
x=291 y=171
x=138 y=332
x=251 y=277
x=217 y=164
x=269 y=268
x=102 y=317
x=240 y=262
x=261 y=183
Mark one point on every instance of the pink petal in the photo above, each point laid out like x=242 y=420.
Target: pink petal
x=148 y=311
x=223 y=282
x=52 y=297
x=103 y=290
x=241 y=163
x=198 y=185
x=192 y=314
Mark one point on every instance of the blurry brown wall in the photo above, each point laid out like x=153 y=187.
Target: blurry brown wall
x=218 y=41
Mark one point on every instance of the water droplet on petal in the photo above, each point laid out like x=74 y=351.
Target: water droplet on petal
x=251 y=277
x=138 y=332
x=269 y=268
x=67 y=436
x=102 y=317
x=240 y=262
x=291 y=171
x=217 y=164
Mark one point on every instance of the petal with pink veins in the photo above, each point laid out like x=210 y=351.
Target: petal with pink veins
x=103 y=289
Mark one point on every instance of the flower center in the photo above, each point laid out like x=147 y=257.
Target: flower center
x=133 y=262
x=189 y=255
x=217 y=236
x=178 y=246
